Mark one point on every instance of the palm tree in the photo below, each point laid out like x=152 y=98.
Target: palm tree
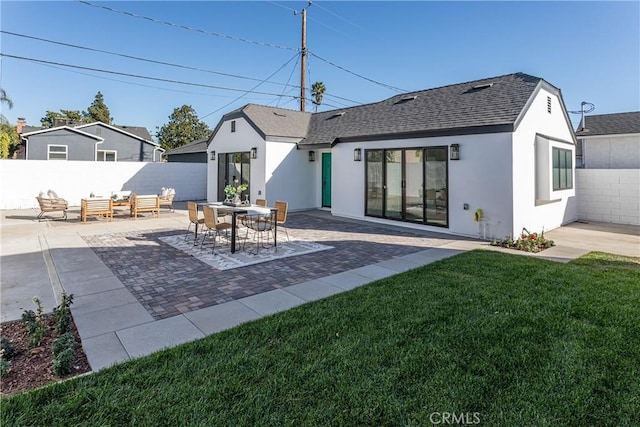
x=317 y=90
x=5 y=99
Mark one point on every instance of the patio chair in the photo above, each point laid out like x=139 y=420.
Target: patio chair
x=96 y=206
x=281 y=217
x=48 y=204
x=261 y=225
x=192 y=207
x=166 y=198
x=147 y=203
x=261 y=202
x=213 y=226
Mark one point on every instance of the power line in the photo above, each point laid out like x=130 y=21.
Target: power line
x=338 y=16
x=185 y=27
x=288 y=80
x=252 y=89
x=41 y=61
x=153 y=61
x=359 y=75
x=137 y=58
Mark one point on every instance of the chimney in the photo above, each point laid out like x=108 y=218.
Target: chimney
x=22 y=122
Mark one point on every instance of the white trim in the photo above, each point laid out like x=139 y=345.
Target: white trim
x=607 y=135
x=37 y=132
x=115 y=155
x=66 y=151
x=117 y=130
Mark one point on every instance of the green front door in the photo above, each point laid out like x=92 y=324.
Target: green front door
x=326 y=180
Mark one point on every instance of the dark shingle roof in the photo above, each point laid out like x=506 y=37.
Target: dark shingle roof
x=273 y=121
x=493 y=102
x=199 y=146
x=611 y=124
x=138 y=131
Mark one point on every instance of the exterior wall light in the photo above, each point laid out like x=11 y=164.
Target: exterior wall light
x=213 y=155
x=455 y=152
x=312 y=156
x=254 y=153
x=357 y=154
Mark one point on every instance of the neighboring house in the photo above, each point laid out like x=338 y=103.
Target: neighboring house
x=193 y=152
x=92 y=142
x=427 y=159
x=609 y=141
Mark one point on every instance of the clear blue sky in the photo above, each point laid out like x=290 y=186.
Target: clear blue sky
x=590 y=50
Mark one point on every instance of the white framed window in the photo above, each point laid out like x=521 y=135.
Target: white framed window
x=107 y=156
x=57 y=152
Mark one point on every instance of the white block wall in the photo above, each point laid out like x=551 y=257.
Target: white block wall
x=22 y=180
x=609 y=195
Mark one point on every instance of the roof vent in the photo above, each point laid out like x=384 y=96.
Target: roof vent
x=279 y=114
x=483 y=86
x=340 y=114
x=406 y=99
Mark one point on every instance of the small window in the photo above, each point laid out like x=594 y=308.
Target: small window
x=549 y=104
x=233 y=125
x=562 y=169
x=106 y=156
x=57 y=152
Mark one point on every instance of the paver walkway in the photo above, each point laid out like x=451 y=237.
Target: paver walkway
x=135 y=295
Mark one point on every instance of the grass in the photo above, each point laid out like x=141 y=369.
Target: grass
x=512 y=339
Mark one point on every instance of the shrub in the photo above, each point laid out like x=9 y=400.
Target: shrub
x=5 y=365
x=62 y=313
x=34 y=322
x=7 y=348
x=528 y=242
x=63 y=352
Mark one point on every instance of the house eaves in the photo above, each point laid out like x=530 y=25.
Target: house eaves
x=118 y=129
x=75 y=130
x=481 y=106
x=618 y=124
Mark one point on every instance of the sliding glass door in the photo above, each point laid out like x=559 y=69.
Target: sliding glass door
x=408 y=184
x=231 y=167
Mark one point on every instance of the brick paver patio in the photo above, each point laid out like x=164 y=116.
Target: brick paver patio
x=168 y=282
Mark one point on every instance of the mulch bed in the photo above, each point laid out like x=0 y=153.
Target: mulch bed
x=31 y=367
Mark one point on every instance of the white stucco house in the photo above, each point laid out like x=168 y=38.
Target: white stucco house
x=427 y=159
x=609 y=141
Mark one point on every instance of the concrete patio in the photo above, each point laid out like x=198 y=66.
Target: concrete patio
x=135 y=295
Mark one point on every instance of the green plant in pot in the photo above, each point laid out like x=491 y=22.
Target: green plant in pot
x=477 y=216
x=233 y=192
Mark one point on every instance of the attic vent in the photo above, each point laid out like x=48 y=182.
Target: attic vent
x=483 y=86
x=549 y=104
x=279 y=114
x=406 y=99
x=340 y=114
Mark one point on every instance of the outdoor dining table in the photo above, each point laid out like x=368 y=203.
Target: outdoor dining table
x=244 y=210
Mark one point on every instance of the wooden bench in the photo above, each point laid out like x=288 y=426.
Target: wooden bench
x=52 y=205
x=144 y=204
x=99 y=206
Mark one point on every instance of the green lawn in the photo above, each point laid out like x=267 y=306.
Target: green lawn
x=503 y=339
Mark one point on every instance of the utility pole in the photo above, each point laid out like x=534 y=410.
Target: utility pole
x=303 y=60
x=303 y=52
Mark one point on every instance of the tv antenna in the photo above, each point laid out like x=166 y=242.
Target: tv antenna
x=585 y=107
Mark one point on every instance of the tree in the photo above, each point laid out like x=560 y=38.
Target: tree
x=5 y=99
x=183 y=127
x=317 y=91
x=9 y=140
x=72 y=116
x=98 y=111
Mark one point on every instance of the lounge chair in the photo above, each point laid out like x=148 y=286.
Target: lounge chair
x=144 y=204
x=96 y=206
x=48 y=204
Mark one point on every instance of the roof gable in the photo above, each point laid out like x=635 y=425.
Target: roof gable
x=610 y=124
x=121 y=129
x=59 y=128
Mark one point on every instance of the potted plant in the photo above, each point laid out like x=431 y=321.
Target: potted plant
x=233 y=192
